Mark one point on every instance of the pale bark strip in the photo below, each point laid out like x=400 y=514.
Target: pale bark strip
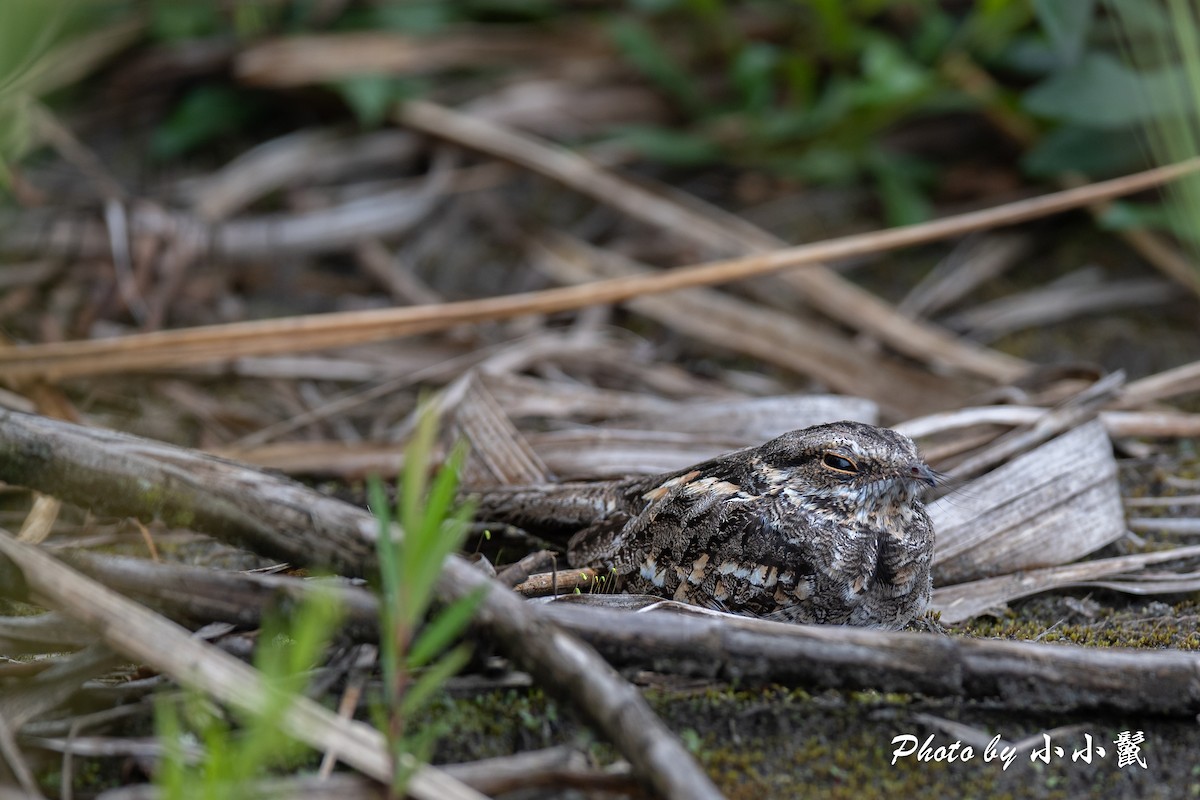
x=126 y=475
x=961 y=601
x=1160 y=386
x=1049 y=506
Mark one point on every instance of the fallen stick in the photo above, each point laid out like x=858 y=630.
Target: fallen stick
x=137 y=632
x=1023 y=675
x=124 y=475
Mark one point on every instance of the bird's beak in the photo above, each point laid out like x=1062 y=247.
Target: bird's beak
x=921 y=472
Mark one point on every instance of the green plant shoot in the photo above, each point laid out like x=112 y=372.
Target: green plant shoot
x=206 y=757
x=415 y=659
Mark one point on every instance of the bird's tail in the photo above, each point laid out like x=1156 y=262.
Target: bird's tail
x=548 y=509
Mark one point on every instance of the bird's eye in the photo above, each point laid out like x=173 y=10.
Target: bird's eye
x=839 y=463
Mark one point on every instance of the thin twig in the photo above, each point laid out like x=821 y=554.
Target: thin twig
x=556 y=582
x=155 y=350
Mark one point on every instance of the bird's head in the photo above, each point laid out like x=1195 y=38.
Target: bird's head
x=861 y=469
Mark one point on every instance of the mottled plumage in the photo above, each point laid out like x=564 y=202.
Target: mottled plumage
x=823 y=524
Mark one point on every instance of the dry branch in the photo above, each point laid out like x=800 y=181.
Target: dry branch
x=340 y=227
x=1073 y=412
x=1184 y=379
x=139 y=633
x=733 y=647
x=199 y=594
x=1022 y=675
x=130 y=476
x=822 y=288
x=1056 y=303
x=53 y=687
x=301 y=60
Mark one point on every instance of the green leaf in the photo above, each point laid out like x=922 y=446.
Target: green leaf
x=426 y=540
x=287 y=650
x=438 y=506
x=432 y=679
x=445 y=626
x=171 y=774
x=1029 y=56
x=827 y=164
x=993 y=23
x=16 y=127
x=370 y=97
x=671 y=147
x=312 y=627
x=412 y=16
x=205 y=114
x=386 y=547
x=412 y=750
x=1124 y=215
x=641 y=48
x=935 y=32
x=175 y=20
x=1097 y=153
x=899 y=179
x=656 y=6
x=1101 y=92
x=837 y=28
x=415 y=479
x=753 y=72
x=389 y=575
x=1139 y=18
x=1067 y=24
x=892 y=76
x=425 y=567
x=1127 y=215
x=28 y=30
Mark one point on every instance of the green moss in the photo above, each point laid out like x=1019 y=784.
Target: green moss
x=1139 y=625
x=761 y=742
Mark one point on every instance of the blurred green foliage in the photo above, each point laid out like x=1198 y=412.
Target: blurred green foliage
x=227 y=759
x=813 y=90
x=203 y=115
x=1161 y=41
x=29 y=31
x=813 y=97
x=417 y=649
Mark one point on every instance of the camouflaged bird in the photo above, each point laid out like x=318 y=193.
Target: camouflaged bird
x=821 y=525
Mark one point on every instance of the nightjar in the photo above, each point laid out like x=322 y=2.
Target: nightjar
x=820 y=525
